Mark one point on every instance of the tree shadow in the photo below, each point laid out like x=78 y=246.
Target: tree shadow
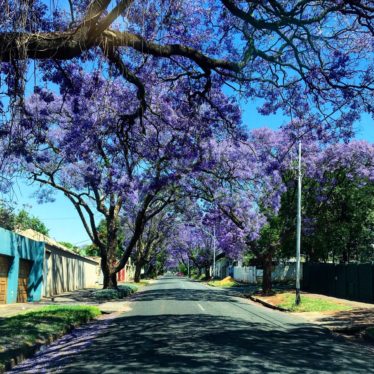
x=209 y=344
x=181 y=294
x=359 y=318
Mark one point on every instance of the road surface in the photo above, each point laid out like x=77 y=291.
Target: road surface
x=179 y=326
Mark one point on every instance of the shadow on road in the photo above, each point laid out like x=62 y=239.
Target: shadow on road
x=181 y=294
x=209 y=344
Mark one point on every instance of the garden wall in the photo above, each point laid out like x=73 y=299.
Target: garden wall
x=347 y=281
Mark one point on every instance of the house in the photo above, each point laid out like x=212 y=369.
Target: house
x=127 y=273
x=21 y=268
x=124 y=275
x=63 y=269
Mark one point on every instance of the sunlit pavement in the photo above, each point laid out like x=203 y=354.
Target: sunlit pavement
x=179 y=326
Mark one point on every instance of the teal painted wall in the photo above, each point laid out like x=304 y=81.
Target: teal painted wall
x=18 y=247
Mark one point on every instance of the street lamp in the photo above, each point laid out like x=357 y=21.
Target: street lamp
x=214 y=251
x=298 y=229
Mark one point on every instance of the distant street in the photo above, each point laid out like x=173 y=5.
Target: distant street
x=180 y=326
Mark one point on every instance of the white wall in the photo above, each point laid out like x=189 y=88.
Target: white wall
x=280 y=273
x=246 y=274
x=285 y=272
x=65 y=271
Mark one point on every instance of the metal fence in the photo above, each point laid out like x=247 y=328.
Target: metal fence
x=348 y=281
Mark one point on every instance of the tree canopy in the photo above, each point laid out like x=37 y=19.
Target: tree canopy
x=132 y=109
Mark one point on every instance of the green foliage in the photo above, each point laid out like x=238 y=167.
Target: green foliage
x=161 y=258
x=93 y=250
x=343 y=223
x=132 y=287
x=310 y=304
x=198 y=277
x=24 y=220
x=71 y=246
x=20 y=332
x=113 y=294
x=182 y=268
x=89 y=250
x=6 y=216
x=337 y=221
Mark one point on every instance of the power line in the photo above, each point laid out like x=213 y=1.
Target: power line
x=83 y=241
x=59 y=219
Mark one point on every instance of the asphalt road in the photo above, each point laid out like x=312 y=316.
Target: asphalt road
x=179 y=326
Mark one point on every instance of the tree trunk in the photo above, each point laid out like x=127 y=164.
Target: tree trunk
x=138 y=269
x=207 y=272
x=266 y=278
x=110 y=275
x=152 y=271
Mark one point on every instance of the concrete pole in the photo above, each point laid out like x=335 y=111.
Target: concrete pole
x=298 y=230
x=214 y=251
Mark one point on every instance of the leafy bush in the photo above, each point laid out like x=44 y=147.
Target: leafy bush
x=132 y=287
x=112 y=294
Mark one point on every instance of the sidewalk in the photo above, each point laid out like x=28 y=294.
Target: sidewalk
x=81 y=297
x=359 y=318
x=36 y=332
x=350 y=323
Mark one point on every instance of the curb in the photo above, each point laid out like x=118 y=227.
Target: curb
x=268 y=305
x=28 y=351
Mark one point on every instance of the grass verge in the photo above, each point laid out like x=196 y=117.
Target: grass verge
x=20 y=334
x=309 y=304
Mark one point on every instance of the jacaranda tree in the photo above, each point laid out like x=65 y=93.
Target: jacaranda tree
x=78 y=144
x=311 y=59
x=128 y=100
x=250 y=190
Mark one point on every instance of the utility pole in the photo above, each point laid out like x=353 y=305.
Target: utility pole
x=298 y=229
x=214 y=251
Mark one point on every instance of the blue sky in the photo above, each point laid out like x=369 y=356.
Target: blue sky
x=62 y=219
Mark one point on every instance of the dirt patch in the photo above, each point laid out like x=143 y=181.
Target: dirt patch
x=273 y=300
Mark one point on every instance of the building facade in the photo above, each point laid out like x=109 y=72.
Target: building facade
x=21 y=268
x=64 y=270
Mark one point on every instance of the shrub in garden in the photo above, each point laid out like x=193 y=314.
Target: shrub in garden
x=110 y=294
